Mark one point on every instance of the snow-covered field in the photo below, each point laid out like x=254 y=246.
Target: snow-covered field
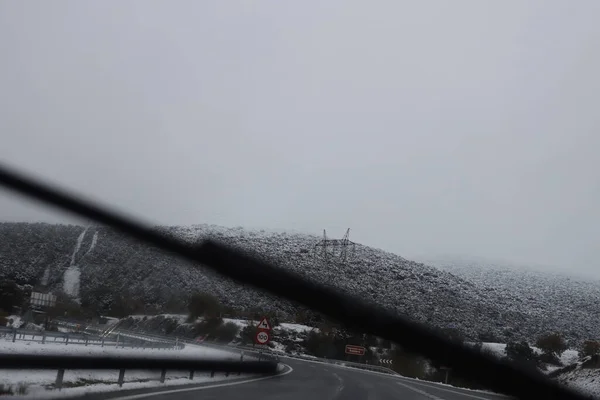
x=13 y=321
x=76 y=382
x=242 y=323
x=297 y=327
x=181 y=318
x=566 y=358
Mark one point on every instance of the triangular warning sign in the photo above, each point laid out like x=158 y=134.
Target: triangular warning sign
x=264 y=325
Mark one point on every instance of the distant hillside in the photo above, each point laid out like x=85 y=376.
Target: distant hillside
x=567 y=303
x=100 y=266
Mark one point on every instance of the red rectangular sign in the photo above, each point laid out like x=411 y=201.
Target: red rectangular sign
x=356 y=350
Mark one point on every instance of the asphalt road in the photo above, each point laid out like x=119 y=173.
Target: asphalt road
x=313 y=381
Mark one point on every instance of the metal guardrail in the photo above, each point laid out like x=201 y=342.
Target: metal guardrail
x=58 y=384
x=103 y=333
x=268 y=354
x=257 y=353
x=95 y=336
x=252 y=352
x=26 y=335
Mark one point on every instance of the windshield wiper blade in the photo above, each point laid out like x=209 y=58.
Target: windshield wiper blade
x=241 y=266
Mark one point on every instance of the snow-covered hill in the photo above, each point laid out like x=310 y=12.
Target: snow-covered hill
x=112 y=267
x=565 y=302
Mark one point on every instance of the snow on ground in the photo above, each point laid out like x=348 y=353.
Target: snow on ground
x=93 y=244
x=566 y=358
x=569 y=357
x=40 y=380
x=16 y=321
x=71 y=281
x=583 y=380
x=242 y=323
x=181 y=318
x=297 y=327
x=111 y=320
x=41 y=393
x=147 y=338
x=278 y=347
x=496 y=348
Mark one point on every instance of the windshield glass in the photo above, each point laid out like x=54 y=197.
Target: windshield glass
x=435 y=160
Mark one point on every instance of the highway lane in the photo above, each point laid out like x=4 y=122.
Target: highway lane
x=314 y=381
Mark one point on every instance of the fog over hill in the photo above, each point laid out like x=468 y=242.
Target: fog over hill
x=563 y=300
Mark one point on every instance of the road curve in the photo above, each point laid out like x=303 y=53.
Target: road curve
x=314 y=381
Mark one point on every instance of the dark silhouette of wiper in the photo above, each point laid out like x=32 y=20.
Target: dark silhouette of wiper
x=248 y=268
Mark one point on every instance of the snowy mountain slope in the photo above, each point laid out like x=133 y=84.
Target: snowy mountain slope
x=113 y=267
x=582 y=376
x=25 y=248
x=565 y=302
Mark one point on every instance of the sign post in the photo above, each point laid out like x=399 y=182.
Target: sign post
x=444 y=368
x=355 y=350
x=262 y=337
x=264 y=325
x=263 y=329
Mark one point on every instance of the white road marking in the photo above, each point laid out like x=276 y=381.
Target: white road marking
x=163 y=392
x=450 y=391
x=339 y=389
x=432 y=397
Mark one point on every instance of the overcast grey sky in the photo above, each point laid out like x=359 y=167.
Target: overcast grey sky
x=427 y=127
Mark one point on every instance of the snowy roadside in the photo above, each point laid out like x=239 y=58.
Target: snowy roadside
x=584 y=381
x=583 y=377
x=40 y=383
x=499 y=349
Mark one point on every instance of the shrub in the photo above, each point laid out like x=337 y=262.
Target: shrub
x=171 y=326
x=589 y=348
x=22 y=388
x=409 y=364
x=247 y=334
x=5 y=390
x=552 y=343
x=66 y=306
x=318 y=344
x=208 y=327
x=488 y=337
x=227 y=332
x=3 y=319
x=452 y=334
x=11 y=295
x=520 y=352
x=549 y=358
x=291 y=347
x=203 y=305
